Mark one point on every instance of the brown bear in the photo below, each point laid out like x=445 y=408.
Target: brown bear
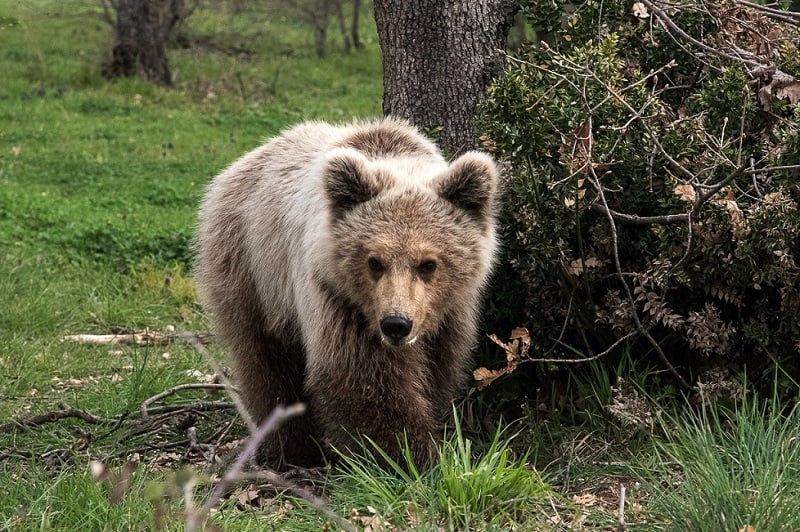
x=343 y=267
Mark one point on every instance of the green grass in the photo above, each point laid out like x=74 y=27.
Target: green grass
x=465 y=489
x=729 y=469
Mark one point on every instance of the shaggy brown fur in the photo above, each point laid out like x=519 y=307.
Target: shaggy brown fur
x=343 y=267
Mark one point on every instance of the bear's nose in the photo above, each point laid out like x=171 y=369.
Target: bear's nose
x=396 y=327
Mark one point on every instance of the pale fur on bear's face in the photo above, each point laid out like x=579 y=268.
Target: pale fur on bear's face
x=408 y=253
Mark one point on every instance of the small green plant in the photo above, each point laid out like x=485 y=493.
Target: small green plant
x=169 y=282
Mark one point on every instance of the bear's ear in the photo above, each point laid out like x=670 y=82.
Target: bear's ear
x=471 y=184
x=348 y=181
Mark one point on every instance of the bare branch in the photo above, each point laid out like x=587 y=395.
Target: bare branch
x=640 y=220
x=51 y=417
x=175 y=389
x=668 y=23
x=790 y=17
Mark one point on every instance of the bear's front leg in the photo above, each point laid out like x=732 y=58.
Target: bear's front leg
x=269 y=374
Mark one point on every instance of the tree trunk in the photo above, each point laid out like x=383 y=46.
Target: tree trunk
x=354 y=26
x=339 y=7
x=140 y=42
x=321 y=17
x=438 y=59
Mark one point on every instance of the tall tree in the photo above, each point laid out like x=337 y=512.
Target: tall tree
x=438 y=58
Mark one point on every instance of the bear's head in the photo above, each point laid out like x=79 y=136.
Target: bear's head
x=412 y=238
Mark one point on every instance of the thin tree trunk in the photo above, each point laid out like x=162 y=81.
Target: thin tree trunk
x=438 y=59
x=140 y=45
x=354 y=27
x=342 y=25
x=322 y=18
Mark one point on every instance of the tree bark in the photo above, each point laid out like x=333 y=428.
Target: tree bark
x=438 y=59
x=140 y=42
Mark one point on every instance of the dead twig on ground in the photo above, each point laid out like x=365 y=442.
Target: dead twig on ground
x=65 y=412
x=145 y=408
x=142 y=337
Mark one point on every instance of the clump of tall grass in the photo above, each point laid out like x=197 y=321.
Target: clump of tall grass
x=466 y=488
x=730 y=469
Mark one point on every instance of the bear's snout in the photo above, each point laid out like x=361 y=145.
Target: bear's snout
x=396 y=328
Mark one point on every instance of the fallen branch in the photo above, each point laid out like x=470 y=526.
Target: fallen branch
x=143 y=337
x=145 y=408
x=621 y=509
x=517 y=354
x=66 y=411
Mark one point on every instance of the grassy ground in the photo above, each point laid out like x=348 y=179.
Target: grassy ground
x=99 y=187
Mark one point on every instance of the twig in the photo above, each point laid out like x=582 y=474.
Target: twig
x=790 y=17
x=198 y=406
x=621 y=510
x=713 y=189
x=194 y=445
x=144 y=409
x=582 y=360
x=640 y=220
x=51 y=417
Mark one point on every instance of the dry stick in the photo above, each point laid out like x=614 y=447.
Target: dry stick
x=791 y=15
x=587 y=359
x=51 y=417
x=199 y=406
x=143 y=337
x=144 y=408
x=640 y=220
x=621 y=510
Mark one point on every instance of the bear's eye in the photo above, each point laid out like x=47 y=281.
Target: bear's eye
x=427 y=267
x=375 y=265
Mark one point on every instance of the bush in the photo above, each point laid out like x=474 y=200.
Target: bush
x=653 y=185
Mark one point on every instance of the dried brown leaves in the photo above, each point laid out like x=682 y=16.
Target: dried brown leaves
x=516 y=352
